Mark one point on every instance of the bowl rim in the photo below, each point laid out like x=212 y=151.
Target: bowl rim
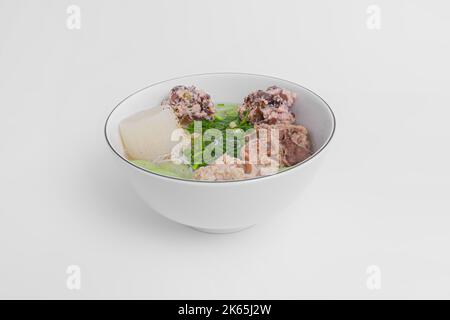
x=188 y=181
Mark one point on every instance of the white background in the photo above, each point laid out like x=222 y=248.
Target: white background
x=380 y=198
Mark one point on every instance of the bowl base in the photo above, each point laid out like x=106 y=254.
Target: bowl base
x=222 y=231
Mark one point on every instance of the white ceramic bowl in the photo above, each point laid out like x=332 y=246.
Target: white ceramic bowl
x=228 y=206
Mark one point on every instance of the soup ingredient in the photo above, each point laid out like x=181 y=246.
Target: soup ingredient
x=292 y=143
x=226 y=118
x=146 y=135
x=225 y=168
x=165 y=168
x=190 y=103
x=271 y=106
x=219 y=143
x=260 y=155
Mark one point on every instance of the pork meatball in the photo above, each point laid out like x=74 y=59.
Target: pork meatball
x=271 y=106
x=224 y=168
x=189 y=104
x=229 y=168
x=288 y=144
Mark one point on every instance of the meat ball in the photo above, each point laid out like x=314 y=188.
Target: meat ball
x=289 y=144
x=189 y=104
x=271 y=106
x=224 y=168
x=230 y=168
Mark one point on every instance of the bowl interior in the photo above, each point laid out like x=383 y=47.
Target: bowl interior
x=310 y=110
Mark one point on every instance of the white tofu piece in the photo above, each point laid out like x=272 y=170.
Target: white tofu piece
x=146 y=135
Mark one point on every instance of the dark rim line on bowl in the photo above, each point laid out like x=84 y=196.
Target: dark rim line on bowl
x=222 y=181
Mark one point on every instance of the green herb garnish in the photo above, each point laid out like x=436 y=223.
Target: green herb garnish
x=226 y=118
